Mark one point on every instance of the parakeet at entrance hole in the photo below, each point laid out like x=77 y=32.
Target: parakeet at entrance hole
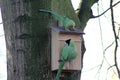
x=68 y=53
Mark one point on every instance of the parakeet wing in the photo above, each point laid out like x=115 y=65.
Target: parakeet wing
x=72 y=50
x=65 y=52
x=71 y=54
x=68 y=53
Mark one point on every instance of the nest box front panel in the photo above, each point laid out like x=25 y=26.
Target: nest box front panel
x=76 y=63
x=57 y=44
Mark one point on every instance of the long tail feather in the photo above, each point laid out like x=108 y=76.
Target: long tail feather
x=57 y=16
x=60 y=70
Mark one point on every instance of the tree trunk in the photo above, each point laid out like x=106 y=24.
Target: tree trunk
x=27 y=34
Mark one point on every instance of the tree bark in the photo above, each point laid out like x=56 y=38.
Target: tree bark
x=27 y=39
x=85 y=12
x=27 y=34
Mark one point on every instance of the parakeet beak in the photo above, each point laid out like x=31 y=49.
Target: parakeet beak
x=68 y=41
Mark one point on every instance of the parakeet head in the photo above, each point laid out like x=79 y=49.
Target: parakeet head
x=72 y=43
x=70 y=23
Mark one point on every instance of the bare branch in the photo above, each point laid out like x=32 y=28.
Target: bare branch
x=104 y=50
x=106 y=10
x=1 y=22
x=111 y=66
x=92 y=68
x=108 y=46
x=115 y=36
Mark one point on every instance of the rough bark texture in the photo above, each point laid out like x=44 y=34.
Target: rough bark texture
x=85 y=12
x=27 y=34
x=27 y=39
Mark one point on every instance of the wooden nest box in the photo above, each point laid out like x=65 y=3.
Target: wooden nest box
x=58 y=37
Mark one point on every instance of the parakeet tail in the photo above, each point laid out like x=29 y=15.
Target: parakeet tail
x=57 y=16
x=44 y=10
x=60 y=70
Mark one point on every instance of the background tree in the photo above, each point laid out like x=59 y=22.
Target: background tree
x=27 y=36
x=107 y=66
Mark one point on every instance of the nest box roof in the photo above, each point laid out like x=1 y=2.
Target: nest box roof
x=61 y=30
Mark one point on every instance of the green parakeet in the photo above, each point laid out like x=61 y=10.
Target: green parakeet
x=68 y=53
x=67 y=22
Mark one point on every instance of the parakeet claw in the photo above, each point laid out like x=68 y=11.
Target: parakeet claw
x=71 y=29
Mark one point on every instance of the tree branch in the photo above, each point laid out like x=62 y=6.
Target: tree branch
x=115 y=36
x=1 y=23
x=106 y=10
x=104 y=50
x=111 y=66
